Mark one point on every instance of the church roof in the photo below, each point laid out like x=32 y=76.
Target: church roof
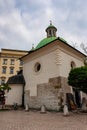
x=16 y=79
x=51 y=26
x=49 y=39
x=45 y=41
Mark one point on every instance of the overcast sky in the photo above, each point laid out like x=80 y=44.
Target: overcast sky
x=23 y=22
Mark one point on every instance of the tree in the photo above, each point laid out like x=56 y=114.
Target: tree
x=78 y=78
x=84 y=47
x=3 y=88
x=75 y=45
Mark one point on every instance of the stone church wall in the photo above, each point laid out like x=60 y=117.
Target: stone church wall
x=51 y=94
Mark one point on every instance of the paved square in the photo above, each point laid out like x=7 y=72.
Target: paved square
x=34 y=120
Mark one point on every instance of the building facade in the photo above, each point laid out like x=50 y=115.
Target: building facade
x=10 y=63
x=46 y=69
x=16 y=94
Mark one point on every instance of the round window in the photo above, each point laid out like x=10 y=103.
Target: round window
x=37 y=67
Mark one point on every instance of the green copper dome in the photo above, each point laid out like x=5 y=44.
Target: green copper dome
x=45 y=41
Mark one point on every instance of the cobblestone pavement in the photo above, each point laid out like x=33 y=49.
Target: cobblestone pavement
x=34 y=120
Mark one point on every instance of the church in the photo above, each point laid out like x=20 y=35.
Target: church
x=46 y=69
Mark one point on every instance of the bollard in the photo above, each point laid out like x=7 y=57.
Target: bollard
x=15 y=106
x=84 y=104
x=43 y=109
x=65 y=110
x=26 y=107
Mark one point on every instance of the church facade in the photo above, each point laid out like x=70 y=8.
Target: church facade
x=46 y=69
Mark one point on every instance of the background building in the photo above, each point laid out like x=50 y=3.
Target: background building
x=10 y=63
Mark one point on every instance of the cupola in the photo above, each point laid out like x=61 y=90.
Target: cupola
x=51 y=30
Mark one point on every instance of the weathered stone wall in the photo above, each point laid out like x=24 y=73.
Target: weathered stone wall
x=50 y=94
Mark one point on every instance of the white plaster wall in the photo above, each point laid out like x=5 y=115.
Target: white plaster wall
x=48 y=70
x=14 y=95
x=65 y=65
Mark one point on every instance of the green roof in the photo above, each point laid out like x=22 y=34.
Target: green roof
x=45 y=41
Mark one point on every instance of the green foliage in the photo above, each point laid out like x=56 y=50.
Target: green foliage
x=78 y=78
x=5 y=87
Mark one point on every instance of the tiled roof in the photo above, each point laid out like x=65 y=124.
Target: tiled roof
x=17 y=79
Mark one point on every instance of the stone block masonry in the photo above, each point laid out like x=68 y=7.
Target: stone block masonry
x=50 y=94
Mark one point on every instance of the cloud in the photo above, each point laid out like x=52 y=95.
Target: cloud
x=13 y=29
x=23 y=22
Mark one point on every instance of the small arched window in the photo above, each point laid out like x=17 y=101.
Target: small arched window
x=50 y=32
x=73 y=65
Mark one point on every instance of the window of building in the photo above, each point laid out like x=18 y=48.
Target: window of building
x=5 y=61
x=37 y=67
x=11 y=70
x=3 y=79
x=50 y=32
x=4 y=70
x=54 y=34
x=21 y=62
x=12 y=61
x=73 y=65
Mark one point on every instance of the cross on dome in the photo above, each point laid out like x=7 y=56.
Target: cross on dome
x=50 y=22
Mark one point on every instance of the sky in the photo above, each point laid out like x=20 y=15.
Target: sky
x=23 y=22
